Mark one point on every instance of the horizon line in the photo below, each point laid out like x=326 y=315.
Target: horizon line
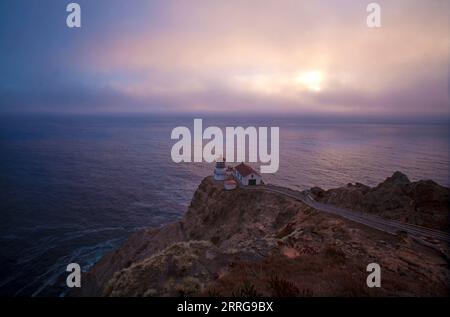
x=316 y=118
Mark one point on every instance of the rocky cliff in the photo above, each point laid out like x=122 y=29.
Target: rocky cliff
x=255 y=243
x=422 y=203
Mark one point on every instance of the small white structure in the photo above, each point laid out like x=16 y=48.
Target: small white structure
x=230 y=172
x=246 y=175
x=220 y=171
x=230 y=184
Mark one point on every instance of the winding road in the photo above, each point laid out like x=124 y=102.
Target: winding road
x=373 y=221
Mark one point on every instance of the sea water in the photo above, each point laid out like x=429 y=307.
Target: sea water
x=75 y=187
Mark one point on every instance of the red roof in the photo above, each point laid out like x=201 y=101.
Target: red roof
x=245 y=170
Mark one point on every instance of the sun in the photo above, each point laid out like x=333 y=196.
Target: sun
x=311 y=80
x=286 y=84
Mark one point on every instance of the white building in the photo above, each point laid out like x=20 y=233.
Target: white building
x=230 y=184
x=220 y=172
x=246 y=175
x=230 y=172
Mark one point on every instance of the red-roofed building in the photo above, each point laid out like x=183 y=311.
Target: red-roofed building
x=246 y=175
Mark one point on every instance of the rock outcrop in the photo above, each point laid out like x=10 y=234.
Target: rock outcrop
x=422 y=203
x=255 y=243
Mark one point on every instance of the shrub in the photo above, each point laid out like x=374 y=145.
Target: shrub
x=247 y=290
x=335 y=254
x=283 y=288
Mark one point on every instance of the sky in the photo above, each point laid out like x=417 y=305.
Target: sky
x=285 y=57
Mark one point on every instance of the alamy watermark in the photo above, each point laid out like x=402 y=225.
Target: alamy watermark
x=374 y=278
x=73 y=20
x=190 y=147
x=373 y=20
x=74 y=278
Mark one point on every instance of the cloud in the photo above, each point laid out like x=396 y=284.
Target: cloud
x=218 y=56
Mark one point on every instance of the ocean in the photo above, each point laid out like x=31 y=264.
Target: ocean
x=75 y=187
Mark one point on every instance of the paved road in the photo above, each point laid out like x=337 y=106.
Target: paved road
x=373 y=221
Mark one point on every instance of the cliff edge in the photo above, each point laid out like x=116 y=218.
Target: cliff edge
x=257 y=243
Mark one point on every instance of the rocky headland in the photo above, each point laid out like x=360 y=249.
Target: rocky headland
x=257 y=243
x=422 y=203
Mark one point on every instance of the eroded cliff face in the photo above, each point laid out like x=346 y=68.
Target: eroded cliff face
x=422 y=203
x=255 y=243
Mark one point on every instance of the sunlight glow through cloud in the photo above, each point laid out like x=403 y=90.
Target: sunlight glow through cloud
x=281 y=84
x=295 y=56
x=312 y=80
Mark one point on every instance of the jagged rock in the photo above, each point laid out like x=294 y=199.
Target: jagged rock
x=398 y=178
x=317 y=192
x=423 y=203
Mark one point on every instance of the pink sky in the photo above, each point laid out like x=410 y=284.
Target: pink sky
x=277 y=56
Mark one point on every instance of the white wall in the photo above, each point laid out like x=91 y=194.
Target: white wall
x=246 y=179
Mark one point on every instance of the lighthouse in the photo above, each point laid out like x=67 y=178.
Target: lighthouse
x=220 y=171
